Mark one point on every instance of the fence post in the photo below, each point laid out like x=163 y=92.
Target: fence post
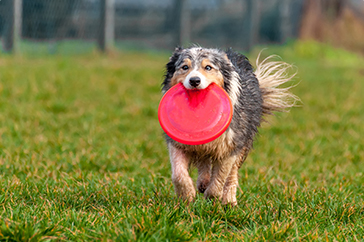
x=251 y=24
x=107 y=23
x=183 y=22
x=18 y=19
x=12 y=28
x=8 y=41
x=185 y=37
x=285 y=15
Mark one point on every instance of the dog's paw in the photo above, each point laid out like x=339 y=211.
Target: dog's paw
x=229 y=196
x=213 y=193
x=187 y=193
x=188 y=196
x=202 y=185
x=229 y=201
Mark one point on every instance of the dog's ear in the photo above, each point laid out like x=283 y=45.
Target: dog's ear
x=173 y=59
x=171 y=68
x=239 y=60
x=177 y=51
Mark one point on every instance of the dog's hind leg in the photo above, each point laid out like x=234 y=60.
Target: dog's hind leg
x=181 y=179
x=220 y=172
x=204 y=174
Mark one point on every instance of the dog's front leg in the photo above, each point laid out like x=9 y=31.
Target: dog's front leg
x=182 y=181
x=220 y=171
x=232 y=181
x=231 y=184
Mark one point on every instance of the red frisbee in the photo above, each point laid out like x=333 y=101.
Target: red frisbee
x=195 y=117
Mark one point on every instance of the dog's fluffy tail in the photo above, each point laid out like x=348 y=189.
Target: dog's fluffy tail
x=271 y=75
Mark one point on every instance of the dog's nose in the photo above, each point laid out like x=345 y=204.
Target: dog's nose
x=195 y=81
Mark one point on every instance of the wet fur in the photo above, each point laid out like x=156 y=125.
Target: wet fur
x=253 y=94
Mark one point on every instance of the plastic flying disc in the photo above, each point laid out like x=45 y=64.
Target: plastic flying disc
x=194 y=116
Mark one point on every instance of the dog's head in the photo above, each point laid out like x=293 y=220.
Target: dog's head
x=197 y=68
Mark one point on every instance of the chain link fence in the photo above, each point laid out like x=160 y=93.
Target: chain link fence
x=83 y=25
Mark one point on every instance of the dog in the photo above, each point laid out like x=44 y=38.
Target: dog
x=253 y=93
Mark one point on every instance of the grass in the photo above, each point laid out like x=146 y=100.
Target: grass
x=82 y=156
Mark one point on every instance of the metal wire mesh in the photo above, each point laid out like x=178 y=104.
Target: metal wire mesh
x=153 y=23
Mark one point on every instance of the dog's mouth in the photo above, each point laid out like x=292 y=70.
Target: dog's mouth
x=196 y=83
x=194 y=88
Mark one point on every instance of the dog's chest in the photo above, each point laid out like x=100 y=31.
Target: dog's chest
x=217 y=149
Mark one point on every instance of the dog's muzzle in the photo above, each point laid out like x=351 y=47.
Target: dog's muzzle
x=195 y=81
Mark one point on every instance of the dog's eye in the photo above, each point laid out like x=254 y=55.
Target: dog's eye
x=208 y=68
x=185 y=67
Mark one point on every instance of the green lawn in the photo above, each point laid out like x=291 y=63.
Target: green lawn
x=82 y=156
